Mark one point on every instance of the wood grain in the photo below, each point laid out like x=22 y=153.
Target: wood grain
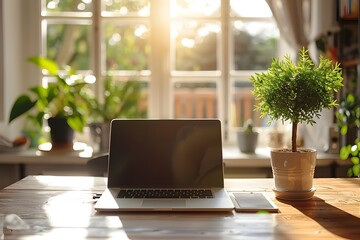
x=63 y=207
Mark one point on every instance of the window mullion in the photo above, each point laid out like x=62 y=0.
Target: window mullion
x=225 y=82
x=159 y=95
x=97 y=57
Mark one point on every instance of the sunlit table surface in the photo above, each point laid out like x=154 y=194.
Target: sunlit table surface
x=57 y=207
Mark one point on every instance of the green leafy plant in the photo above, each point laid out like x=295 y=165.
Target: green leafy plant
x=348 y=113
x=296 y=92
x=247 y=138
x=352 y=152
x=348 y=116
x=66 y=97
x=121 y=100
x=248 y=126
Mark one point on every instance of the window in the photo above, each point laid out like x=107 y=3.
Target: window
x=194 y=58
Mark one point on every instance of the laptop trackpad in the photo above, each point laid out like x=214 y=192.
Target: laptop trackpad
x=168 y=203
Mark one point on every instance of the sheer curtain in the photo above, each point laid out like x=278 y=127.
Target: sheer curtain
x=301 y=22
x=293 y=20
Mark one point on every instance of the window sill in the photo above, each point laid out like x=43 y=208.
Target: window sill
x=231 y=154
x=15 y=166
x=261 y=158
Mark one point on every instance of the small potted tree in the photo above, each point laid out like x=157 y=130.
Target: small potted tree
x=247 y=137
x=296 y=93
x=63 y=103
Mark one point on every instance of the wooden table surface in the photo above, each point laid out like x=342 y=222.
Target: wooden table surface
x=63 y=208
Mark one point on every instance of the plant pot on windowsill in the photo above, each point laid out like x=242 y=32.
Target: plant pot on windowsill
x=65 y=100
x=61 y=134
x=247 y=138
x=247 y=141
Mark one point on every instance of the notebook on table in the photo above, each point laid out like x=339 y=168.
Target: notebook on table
x=165 y=165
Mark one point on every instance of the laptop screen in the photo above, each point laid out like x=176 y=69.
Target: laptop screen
x=165 y=154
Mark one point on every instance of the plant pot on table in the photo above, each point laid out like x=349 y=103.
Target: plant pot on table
x=293 y=173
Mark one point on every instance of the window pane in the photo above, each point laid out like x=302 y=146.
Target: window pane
x=125 y=7
x=242 y=108
x=255 y=44
x=55 y=6
x=195 y=100
x=68 y=44
x=253 y=8
x=127 y=46
x=195 y=45
x=124 y=97
x=195 y=8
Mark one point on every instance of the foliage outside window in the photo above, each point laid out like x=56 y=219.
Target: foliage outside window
x=212 y=47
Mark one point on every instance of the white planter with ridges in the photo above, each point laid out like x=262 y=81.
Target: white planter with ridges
x=293 y=172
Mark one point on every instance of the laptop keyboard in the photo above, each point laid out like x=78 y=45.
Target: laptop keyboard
x=165 y=193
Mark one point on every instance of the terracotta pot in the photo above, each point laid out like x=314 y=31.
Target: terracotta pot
x=293 y=173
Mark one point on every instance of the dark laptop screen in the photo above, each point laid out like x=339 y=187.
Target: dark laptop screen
x=165 y=153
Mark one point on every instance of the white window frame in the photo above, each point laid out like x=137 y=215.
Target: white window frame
x=160 y=76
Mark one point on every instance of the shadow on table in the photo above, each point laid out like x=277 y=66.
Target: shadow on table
x=345 y=225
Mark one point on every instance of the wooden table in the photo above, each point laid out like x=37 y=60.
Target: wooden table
x=63 y=207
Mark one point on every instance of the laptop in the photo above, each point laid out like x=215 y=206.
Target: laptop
x=165 y=165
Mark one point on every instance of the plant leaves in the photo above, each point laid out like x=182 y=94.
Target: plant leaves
x=21 y=106
x=343 y=130
x=45 y=63
x=356 y=170
x=344 y=152
x=355 y=160
x=76 y=122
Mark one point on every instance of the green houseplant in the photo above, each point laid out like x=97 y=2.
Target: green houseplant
x=121 y=100
x=247 y=137
x=352 y=152
x=296 y=93
x=348 y=116
x=63 y=102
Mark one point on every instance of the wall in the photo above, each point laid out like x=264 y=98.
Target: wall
x=19 y=41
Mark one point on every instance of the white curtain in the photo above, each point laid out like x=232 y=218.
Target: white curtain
x=300 y=22
x=293 y=20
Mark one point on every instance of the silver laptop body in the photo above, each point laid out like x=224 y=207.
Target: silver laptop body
x=165 y=165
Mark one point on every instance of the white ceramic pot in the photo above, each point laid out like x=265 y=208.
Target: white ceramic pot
x=293 y=172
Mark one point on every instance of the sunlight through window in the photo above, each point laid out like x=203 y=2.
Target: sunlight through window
x=192 y=57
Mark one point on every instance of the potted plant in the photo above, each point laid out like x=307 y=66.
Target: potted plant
x=121 y=100
x=296 y=93
x=247 y=138
x=63 y=103
x=352 y=152
x=348 y=116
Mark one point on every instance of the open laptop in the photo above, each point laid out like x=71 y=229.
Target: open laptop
x=165 y=165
